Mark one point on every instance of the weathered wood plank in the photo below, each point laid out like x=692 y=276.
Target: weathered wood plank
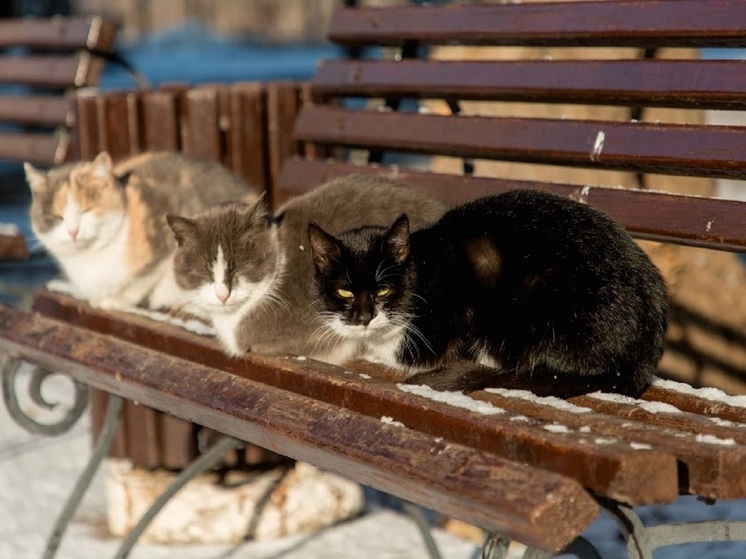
x=535 y=507
x=678 y=149
x=640 y=23
x=160 y=122
x=71 y=33
x=54 y=71
x=44 y=149
x=661 y=83
x=706 y=222
x=42 y=110
x=248 y=136
x=612 y=470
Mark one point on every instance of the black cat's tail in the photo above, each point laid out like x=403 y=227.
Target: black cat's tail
x=467 y=376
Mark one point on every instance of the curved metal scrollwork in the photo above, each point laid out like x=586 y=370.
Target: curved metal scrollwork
x=38 y=376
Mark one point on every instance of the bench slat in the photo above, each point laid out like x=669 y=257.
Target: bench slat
x=712 y=471
x=71 y=33
x=535 y=507
x=640 y=23
x=646 y=214
x=609 y=469
x=663 y=83
x=714 y=151
x=45 y=110
x=54 y=71
x=45 y=149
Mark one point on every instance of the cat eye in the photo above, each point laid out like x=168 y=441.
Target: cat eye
x=345 y=294
x=383 y=292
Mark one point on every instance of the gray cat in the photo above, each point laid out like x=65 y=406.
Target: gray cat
x=252 y=273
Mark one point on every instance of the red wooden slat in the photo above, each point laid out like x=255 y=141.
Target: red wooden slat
x=645 y=23
x=87 y=130
x=666 y=83
x=60 y=32
x=707 y=222
x=714 y=151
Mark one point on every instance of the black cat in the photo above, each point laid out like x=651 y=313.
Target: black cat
x=524 y=289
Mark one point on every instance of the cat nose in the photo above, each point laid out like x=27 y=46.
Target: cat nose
x=222 y=292
x=73 y=233
x=361 y=317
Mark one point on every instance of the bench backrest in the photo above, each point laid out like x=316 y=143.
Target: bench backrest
x=636 y=82
x=41 y=62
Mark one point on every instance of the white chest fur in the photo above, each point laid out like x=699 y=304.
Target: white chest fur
x=99 y=271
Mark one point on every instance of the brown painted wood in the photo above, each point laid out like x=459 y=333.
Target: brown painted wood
x=641 y=23
x=660 y=83
x=694 y=404
x=99 y=402
x=448 y=477
x=707 y=222
x=282 y=108
x=116 y=133
x=613 y=470
x=42 y=110
x=13 y=247
x=248 y=133
x=159 y=121
x=711 y=151
x=143 y=441
x=41 y=148
x=203 y=136
x=55 y=71
x=70 y=33
x=88 y=140
x=711 y=470
x=178 y=442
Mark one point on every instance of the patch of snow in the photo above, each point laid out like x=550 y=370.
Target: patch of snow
x=712 y=439
x=652 y=407
x=365 y=376
x=585 y=429
x=714 y=394
x=301 y=358
x=390 y=421
x=455 y=399
x=519 y=418
x=640 y=446
x=557 y=428
x=552 y=401
x=598 y=145
x=604 y=440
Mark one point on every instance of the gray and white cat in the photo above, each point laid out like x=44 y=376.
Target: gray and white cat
x=252 y=273
x=104 y=222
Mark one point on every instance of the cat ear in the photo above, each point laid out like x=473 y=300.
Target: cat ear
x=324 y=247
x=102 y=166
x=397 y=239
x=182 y=227
x=36 y=179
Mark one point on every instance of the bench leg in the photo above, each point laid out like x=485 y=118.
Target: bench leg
x=415 y=512
x=200 y=465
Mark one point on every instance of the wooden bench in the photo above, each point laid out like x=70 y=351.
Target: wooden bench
x=42 y=62
x=534 y=470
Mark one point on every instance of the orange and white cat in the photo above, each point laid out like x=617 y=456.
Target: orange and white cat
x=105 y=223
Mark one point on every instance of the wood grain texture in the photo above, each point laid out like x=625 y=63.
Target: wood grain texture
x=533 y=506
x=640 y=23
x=677 y=149
x=72 y=33
x=612 y=469
x=652 y=215
x=659 y=83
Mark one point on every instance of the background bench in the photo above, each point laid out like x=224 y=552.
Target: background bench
x=42 y=63
x=537 y=470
